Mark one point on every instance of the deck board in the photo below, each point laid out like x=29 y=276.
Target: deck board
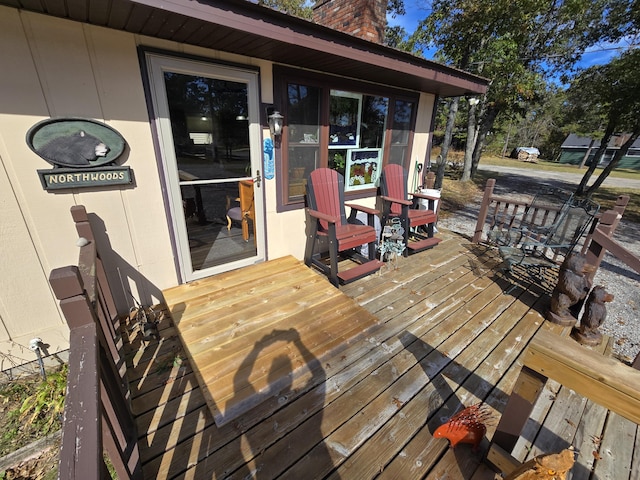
x=238 y=330
x=433 y=334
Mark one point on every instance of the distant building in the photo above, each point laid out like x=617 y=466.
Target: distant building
x=574 y=148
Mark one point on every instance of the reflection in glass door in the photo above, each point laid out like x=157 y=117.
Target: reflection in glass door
x=210 y=135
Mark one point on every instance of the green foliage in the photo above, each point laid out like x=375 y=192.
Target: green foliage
x=606 y=98
x=297 y=8
x=621 y=19
x=395 y=7
x=31 y=408
x=515 y=44
x=396 y=37
x=45 y=406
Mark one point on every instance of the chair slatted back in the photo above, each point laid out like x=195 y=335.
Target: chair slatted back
x=325 y=193
x=547 y=208
x=393 y=183
x=576 y=219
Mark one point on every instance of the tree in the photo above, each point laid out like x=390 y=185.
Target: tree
x=446 y=142
x=608 y=93
x=516 y=44
x=297 y=8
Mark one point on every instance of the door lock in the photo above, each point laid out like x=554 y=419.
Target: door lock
x=257 y=179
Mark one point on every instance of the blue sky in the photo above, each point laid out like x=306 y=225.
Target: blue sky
x=417 y=10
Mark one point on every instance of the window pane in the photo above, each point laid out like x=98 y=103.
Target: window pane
x=401 y=130
x=303 y=113
x=374 y=118
x=356 y=121
x=302 y=161
x=209 y=126
x=303 y=119
x=344 y=119
x=397 y=154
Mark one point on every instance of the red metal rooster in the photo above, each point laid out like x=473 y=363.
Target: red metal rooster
x=466 y=426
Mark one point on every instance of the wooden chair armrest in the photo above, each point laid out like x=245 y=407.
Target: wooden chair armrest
x=425 y=196
x=360 y=208
x=397 y=200
x=322 y=216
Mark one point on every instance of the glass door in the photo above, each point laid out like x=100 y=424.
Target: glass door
x=208 y=123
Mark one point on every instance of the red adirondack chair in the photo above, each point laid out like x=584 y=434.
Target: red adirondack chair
x=419 y=225
x=325 y=206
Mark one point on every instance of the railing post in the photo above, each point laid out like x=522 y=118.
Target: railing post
x=81 y=219
x=620 y=206
x=596 y=252
x=430 y=180
x=484 y=209
x=96 y=283
x=81 y=451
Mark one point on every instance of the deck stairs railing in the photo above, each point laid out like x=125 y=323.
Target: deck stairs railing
x=97 y=415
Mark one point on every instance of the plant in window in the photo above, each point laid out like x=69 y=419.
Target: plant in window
x=337 y=161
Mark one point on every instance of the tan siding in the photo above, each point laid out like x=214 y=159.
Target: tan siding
x=26 y=303
x=63 y=68
x=140 y=219
x=27 y=306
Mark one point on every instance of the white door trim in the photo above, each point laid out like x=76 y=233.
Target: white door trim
x=157 y=65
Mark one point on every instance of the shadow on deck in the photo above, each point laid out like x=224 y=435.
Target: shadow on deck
x=446 y=336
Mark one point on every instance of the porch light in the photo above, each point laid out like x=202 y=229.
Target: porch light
x=276 y=123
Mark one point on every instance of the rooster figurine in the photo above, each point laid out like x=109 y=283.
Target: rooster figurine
x=466 y=426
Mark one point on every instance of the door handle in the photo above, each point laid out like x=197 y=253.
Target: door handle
x=257 y=179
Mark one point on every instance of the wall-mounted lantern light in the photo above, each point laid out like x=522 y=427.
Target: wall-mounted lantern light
x=276 y=123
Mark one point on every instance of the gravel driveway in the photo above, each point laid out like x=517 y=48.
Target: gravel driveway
x=623 y=314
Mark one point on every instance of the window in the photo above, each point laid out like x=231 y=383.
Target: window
x=303 y=132
x=633 y=152
x=349 y=126
x=403 y=114
x=346 y=133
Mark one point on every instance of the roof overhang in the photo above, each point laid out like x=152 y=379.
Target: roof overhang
x=245 y=28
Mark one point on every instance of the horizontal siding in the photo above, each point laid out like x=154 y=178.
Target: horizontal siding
x=574 y=156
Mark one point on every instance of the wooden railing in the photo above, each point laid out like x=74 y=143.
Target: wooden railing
x=599 y=378
x=600 y=241
x=97 y=415
x=501 y=212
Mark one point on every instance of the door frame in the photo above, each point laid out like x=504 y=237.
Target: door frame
x=156 y=64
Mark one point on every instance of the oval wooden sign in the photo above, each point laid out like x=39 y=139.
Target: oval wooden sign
x=75 y=142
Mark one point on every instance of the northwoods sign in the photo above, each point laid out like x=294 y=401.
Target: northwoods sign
x=82 y=152
x=68 y=178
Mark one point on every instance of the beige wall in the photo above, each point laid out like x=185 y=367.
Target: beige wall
x=61 y=68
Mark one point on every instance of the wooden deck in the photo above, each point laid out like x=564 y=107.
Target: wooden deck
x=252 y=333
x=444 y=335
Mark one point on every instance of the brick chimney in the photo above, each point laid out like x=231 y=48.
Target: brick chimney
x=362 y=18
